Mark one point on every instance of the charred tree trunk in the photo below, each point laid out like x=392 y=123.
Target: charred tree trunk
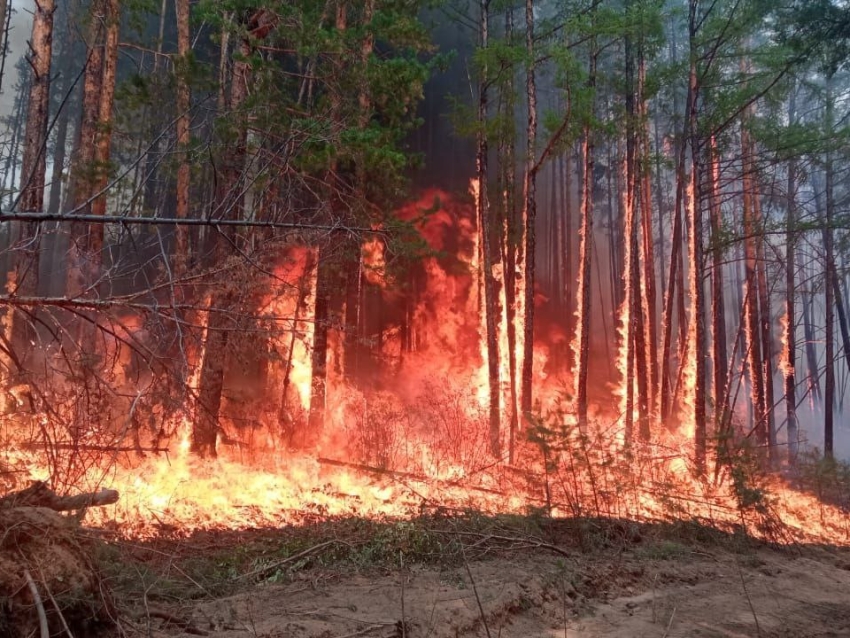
x=84 y=169
x=673 y=295
x=812 y=368
x=650 y=342
x=33 y=165
x=93 y=263
x=718 y=306
x=180 y=253
x=790 y=361
x=230 y=204
x=765 y=329
x=582 y=338
x=328 y=279
x=753 y=338
x=5 y=14
x=829 y=278
x=507 y=239
x=490 y=300
x=698 y=340
x=529 y=216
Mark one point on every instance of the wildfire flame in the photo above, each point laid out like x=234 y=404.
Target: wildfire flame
x=421 y=440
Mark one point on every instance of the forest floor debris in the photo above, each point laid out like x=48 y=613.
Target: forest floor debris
x=49 y=582
x=471 y=575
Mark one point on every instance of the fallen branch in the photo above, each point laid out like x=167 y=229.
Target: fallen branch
x=94 y=448
x=39 y=495
x=525 y=543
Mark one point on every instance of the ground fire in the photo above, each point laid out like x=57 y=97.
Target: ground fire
x=409 y=436
x=324 y=290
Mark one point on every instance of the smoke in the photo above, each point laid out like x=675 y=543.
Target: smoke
x=810 y=423
x=19 y=33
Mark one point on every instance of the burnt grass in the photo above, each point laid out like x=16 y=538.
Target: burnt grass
x=605 y=555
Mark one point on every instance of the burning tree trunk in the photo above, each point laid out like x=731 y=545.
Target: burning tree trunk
x=483 y=213
x=648 y=249
x=626 y=357
x=674 y=297
x=582 y=338
x=753 y=339
x=230 y=202
x=529 y=215
x=718 y=306
x=327 y=279
x=697 y=330
x=354 y=308
x=789 y=355
x=507 y=239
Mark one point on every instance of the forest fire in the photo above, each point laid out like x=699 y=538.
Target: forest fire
x=541 y=276
x=415 y=440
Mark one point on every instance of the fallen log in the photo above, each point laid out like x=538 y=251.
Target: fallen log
x=84 y=447
x=39 y=495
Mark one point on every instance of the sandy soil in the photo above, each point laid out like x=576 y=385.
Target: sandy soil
x=661 y=589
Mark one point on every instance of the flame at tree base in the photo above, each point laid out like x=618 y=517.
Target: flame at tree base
x=180 y=494
x=411 y=438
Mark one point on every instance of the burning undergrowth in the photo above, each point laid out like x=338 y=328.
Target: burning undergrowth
x=405 y=412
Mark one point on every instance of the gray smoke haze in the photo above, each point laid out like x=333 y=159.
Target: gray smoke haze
x=19 y=33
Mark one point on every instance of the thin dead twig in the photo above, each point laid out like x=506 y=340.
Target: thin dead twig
x=669 y=623
x=39 y=605
x=55 y=605
x=363 y=632
x=525 y=543
x=749 y=600
x=475 y=591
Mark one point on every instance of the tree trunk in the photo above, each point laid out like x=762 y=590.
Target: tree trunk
x=829 y=278
x=765 y=329
x=790 y=355
x=753 y=338
x=33 y=169
x=4 y=32
x=582 y=338
x=230 y=202
x=529 y=216
x=83 y=165
x=697 y=330
x=674 y=295
x=718 y=306
x=328 y=279
x=181 y=255
x=483 y=213
x=507 y=239
x=33 y=165
x=648 y=245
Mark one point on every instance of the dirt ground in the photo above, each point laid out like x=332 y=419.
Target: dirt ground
x=654 y=585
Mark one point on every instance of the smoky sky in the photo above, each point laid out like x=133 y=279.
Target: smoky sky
x=19 y=33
